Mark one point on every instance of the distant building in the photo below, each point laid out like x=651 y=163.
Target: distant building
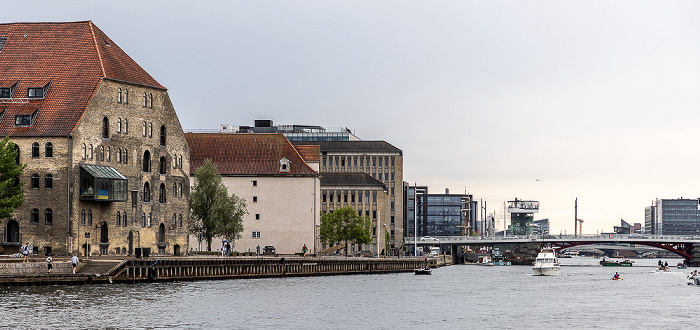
x=541 y=227
x=677 y=216
x=650 y=225
x=294 y=132
x=439 y=214
x=521 y=216
x=623 y=228
x=107 y=163
x=278 y=181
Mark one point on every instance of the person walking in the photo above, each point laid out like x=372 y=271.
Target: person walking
x=25 y=253
x=74 y=261
x=49 y=264
x=304 y=250
x=228 y=249
x=257 y=250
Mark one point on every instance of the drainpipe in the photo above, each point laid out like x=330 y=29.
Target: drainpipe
x=68 y=230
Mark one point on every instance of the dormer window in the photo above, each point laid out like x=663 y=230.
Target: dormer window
x=23 y=120
x=36 y=92
x=284 y=164
x=4 y=92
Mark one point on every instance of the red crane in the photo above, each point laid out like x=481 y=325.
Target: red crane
x=580 y=226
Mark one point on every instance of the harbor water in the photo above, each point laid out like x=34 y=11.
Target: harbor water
x=454 y=297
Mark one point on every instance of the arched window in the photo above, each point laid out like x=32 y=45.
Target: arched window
x=162 y=135
x=119 y=219
x=124 y=222
x=143 y=219
x=48 y=149
x=179 y=221
x=90 y=152
x=35 y=150
x=146 y=192
x=147 y=161
x=161 y=197
x=82 y=217
x=48 y=217
x=101 y=154
x=126 y=96
x=119 y=155
x=89 y=219
x=105 y=128
x=35 y=216
x=119 y=125
x=145 y=129
x=174 y=161
x=48 y=181
x=174 y=220
x=145 y=101
x=174 y=189
x=179 y=190
x=149 y=219
x=84 y=151
x=163 y=166
x=180 y=162
x=150 y=129
x=119 y=95
x=126 y=157
x=126 y=126
x=35 y=181
x=109 y=154
x=150 y=100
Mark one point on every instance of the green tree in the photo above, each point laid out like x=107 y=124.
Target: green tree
x=344 y=225
x=11 y=192
x=214 y=212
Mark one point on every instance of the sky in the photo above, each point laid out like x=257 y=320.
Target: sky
x=538 y=100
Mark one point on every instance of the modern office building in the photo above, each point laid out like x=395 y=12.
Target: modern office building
x=294 y=132
x=521 y=216
x=107 y=161
x=677 y=216
x=650 y=220
x=541 y=227
x=439 y=214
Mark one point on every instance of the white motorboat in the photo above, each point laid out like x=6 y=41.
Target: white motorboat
x=546 y=263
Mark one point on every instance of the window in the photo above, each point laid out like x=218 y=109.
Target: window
x=393 y=162
x=90 y=152
x=162 y=135
x=174 y=189
x=324 y=198
x=82 y=217
x=147 y=161
x=352 y=198
x=134 y=198
x=4 y=93
x=126 y=96
x=48 y=149
x=35 y=92
x=119 y=95
x=174 y=161
x=89 y=218
x=150 y=129
x=162 y=166
x=179 y=189
x=35 y=150
x=126 y=157
x=174 y=220
x=101 y=154
x=149 y=219
x=150 y=100
x=119 y=155
x=119 y=125
x=179 y=220
x=161 y=195
x=145 y=101
x=84 y=151
x=256 y=234
x=255 y=199
x=145 y=129
x=180 y=163
x=35 y=181
x=257 y=216
x=146 y=192
x=35 y=216
x=48 y=182
x=255 y=183
x=105 y=128
x=392 y=221
x=48 y=217
x=124 y=222
x=119 y=219
x=23 y=120
x=109 y=154
x=143 y=219
x=126 y=126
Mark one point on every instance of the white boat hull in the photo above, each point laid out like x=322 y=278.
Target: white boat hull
x=546 y=270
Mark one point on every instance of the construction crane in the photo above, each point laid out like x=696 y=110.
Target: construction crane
x=580 y=226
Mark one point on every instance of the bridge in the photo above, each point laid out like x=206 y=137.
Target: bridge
x=680 y=245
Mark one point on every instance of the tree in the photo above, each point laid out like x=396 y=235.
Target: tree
x=11 y=192
x=214 y=212
x=344 y=225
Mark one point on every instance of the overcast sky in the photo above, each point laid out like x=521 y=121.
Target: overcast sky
x=596 y=99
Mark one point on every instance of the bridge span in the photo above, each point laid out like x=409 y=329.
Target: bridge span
x=680 y=245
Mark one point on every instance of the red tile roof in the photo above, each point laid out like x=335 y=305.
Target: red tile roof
x=246 y=154
x=310 y=153
x=72 y=58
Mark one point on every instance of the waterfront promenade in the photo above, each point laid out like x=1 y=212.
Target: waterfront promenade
x=109 y=269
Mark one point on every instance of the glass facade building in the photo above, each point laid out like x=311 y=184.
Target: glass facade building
x=436 y=214
x=677 y=217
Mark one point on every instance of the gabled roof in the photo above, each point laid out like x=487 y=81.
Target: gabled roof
x=354 y=146
x=349 y=179
x=71 y=59
x=246 y=154
x=310 y=153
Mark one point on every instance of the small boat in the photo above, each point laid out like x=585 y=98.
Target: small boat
x=485 y=261
x=617 y=279
x=663 y=269
x=501 y=263
x=616 y=263
x=681 y=265
x=693 y=279
x=423 y=271
x=546 y=263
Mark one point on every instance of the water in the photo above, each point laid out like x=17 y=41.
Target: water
x=455 y=297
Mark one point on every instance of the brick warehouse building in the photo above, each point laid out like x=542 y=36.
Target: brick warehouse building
x=105 y=152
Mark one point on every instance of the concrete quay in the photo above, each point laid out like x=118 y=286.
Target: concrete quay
x=132 y=270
